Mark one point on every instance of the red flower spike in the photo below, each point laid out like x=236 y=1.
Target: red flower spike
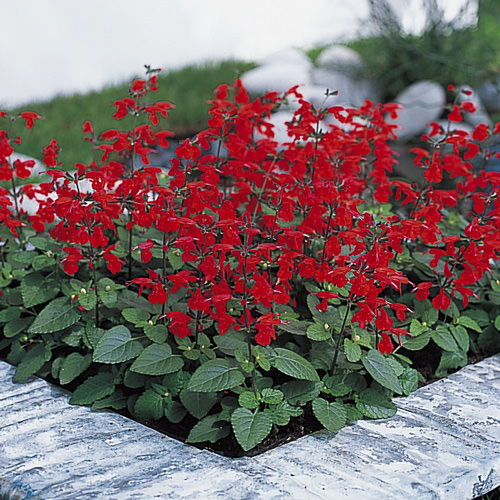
x=385 y=345
x=30 y=117
x=455 y=115
x=441 y=301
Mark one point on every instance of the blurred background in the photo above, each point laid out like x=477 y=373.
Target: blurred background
x=70 y=60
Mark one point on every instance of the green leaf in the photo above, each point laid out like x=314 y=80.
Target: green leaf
x=282 y=412
x=156 y=333
x=33 y=360
x=497 y=322
x=317 y=332
x=425 y=311
x=381 y=370
x=331 y=415
x=451 y=361
x=175 y=259
x=375 y=404
x=134 y=380
x=444 y=339
x=117 y=401
x=248 y=400
x=154 y=360
x=409 y=380
x=24 y=257
x=55 y=316
x=9 y=314
x=42 y=262
x=116 y=346
x=92 y=335
x=16 y=325
x=231 y=341
x=352 y=351
x=271 y=396
x=299 y=392
x=295 y=327
x=461 y=336
x=87 y=300
x=469 y=323
x=135 y=316
x=250 y=428
x=198 y=403
x=417 y=328
x=149 y=406
x=174 y=411
x=293 y=364
x=75 y=364
x=36 y=289
x=215 y=375
x=210 y=428
x=94 y=388
x=416 y=343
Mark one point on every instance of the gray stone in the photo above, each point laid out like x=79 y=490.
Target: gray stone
x=444 y=443
x=422 y=103
x=340 y=58
x=351 y=91
x=277 y=76
x=489 y=92
x=288 y=56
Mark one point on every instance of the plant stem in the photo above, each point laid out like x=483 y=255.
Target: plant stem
x=340 y=335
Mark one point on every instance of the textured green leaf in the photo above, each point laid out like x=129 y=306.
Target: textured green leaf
x=75 y=364
x=299 y=392
x=210 y=428
x=24 y=257
x=461 y=336
x=174 y=411
x=375 y=404
x=36 y=289
x=332 y=416
x=92 y=335
x=135 y=316
x=117 y=401
x=149 y=406
x=16 y=325
x=42 y=262
x=444 y=339
x=87 y=300
x=32 y=361
x=318 y=332
x=381 y=370
x=282 y=412
x=198 y=403
x=416 y=343
x=248 y=400
x=116 y=346
x=154 y=360
x=156 y=333
x=250 y=428
x=215 y=375
x=55 y=316
x=450 y=361
x=469 y=323
x=352 y=351
x=497 y=322
x=93 y=388
x=417 y=328
x=409 y=380
x=9 y=314
x=271 y=396
x=293 y=364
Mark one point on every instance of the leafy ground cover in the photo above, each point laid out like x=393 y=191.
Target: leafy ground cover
x=244 y=296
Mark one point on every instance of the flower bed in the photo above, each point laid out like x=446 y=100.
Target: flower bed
x=245 y=294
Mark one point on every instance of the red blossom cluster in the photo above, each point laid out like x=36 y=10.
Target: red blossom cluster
x=253 y=221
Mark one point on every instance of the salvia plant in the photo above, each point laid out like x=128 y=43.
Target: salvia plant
x=254 y=286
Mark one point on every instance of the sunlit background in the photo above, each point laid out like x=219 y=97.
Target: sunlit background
x=53 y=47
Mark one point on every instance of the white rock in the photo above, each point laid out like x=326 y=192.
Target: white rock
x=287 y=56
x=351 y=91
x=278 y=76
x=422 y=103
x=340 y=58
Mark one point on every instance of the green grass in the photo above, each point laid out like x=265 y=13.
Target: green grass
x=188 y=88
